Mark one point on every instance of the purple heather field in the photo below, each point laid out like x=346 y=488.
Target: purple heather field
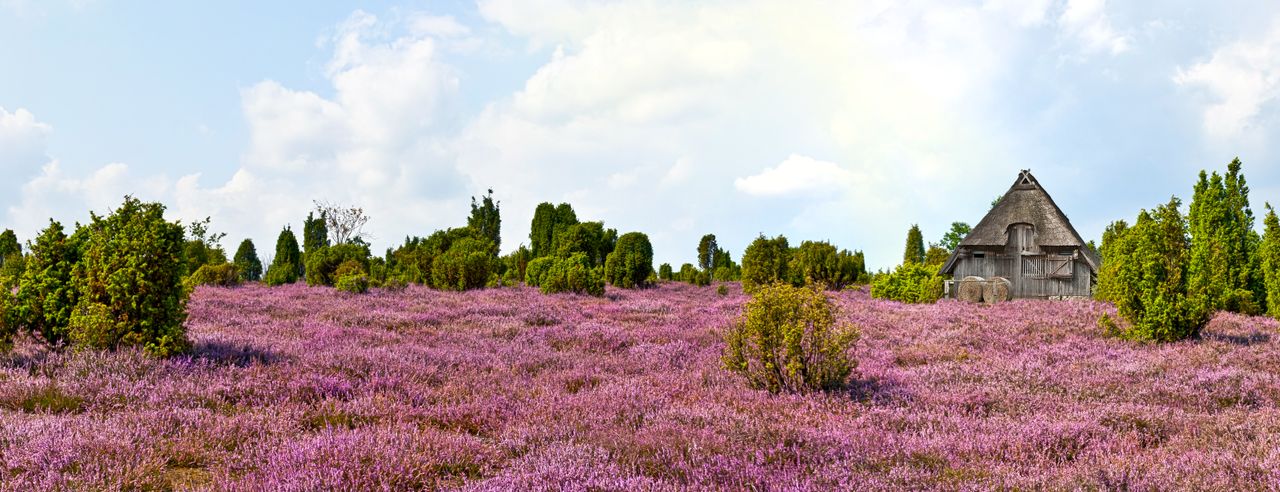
x=299 y=388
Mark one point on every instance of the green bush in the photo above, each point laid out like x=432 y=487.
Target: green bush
x=788 y=340
x=11 y=268
x=286 y=268
x=536 y=270
x=467 y=265
x=1145 y=275
x=224 y=275
x=589 y=238
x=351 y=277
x=820 y=263
x=722 y=290
x=573 y=274
x=665 y=273
x=765 y=261
x=911 y=283
x=323 y=263
x=631 y=261
x=129 y=282
x=202 y=248
x=46 y=296
x=247 y=261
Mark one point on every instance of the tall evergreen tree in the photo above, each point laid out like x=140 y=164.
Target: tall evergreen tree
x=315 y=234
x=1223 y=243
x=247 y=261
x=707 y=250
x=1269 y=261
x=9 y=244
x=915 y=246
x=486 y=220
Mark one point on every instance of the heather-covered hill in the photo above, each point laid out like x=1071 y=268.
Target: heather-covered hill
x=297 y=388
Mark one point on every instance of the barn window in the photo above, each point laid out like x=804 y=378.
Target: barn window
x=1059 y=266
x=979 y=255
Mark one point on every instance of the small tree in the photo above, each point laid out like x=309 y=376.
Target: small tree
x=765 y=261
x=911 y=283
x=315 y=234
x=247 y=262
x=665 y=273
x=486 y=221
x=1269 y=252
x=129 y=282
x=573 y=274
x=820 y=263
x=9 y=245
x=286 y=267
x=344 y=224
x=1145 y=276
x=914 y=252
x=707 y=249
x=788 y=340
x=466 y=265
x=46 y=296
x=323 y=264
x=204 y=247
x=951 y=240
x=631 y=262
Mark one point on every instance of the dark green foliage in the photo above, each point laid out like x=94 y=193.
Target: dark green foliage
x=286 y=267
x=46 y=296
x=820 y=263
x=537 y=270
x=1223 y=244
x=631 y=262
x=9 y=320
x=1145 y=274
x=247 y=261
x=788 y=340
x=129 y=282
x=722 y=290
x=589 y=238
x=665 y=273
x=486 y=221
x=203 y=248
x=1269 y=261
x=765 y=262
x=352 y=277
x=516 y=263
x=224 y=275
x=910 y=283
x=9 y=244
x=951 y=240
x=707 y=249
x=548 y=221
x=573 y=274
x=466 y=265
x=412 y=262
x=315 y=235
x=322 y=264
x=914 y=252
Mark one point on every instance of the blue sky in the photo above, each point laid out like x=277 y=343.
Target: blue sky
x=816 y=120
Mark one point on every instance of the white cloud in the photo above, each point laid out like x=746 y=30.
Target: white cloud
x=1240 y=79
x=798 y=175
x=1087 y=22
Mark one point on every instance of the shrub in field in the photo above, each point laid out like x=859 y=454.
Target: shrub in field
x=820 y=263
x=911 y=283
x=722 y=290
x=351 y=277
x=129 y=282
x=467 y=265
x=11 y=260
x=631 y=262
x=537 y=270
x=765 y=262
x=46 y=295
x=287 y=265
x=203 y=247
x=1145 y=276
x=9 y=244
x=665 y=273
x=224 y=275
x=247 y=261
x=486 y=221
x=323 y=263
x=589 y=238
x=573 y=274
x=315 y=234
x=8 y=319
x=788 y=340
x=548 y=220
x=516 y=263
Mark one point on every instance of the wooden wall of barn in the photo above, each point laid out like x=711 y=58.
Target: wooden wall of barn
x=1027 y=286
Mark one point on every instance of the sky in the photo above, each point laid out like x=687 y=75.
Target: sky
x=839 y=121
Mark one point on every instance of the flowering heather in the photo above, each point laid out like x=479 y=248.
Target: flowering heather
x=298 y=388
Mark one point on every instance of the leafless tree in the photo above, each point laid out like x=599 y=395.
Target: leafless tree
x=345 y=224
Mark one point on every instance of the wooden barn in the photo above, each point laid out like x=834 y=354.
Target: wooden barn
x=1025 y=246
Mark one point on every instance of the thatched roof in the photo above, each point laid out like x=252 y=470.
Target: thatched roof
x=1025 y=202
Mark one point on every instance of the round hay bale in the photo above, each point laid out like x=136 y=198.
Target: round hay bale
x=969 y=289
x=996 y=289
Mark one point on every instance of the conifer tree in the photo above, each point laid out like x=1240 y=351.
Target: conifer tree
x=915 y=246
